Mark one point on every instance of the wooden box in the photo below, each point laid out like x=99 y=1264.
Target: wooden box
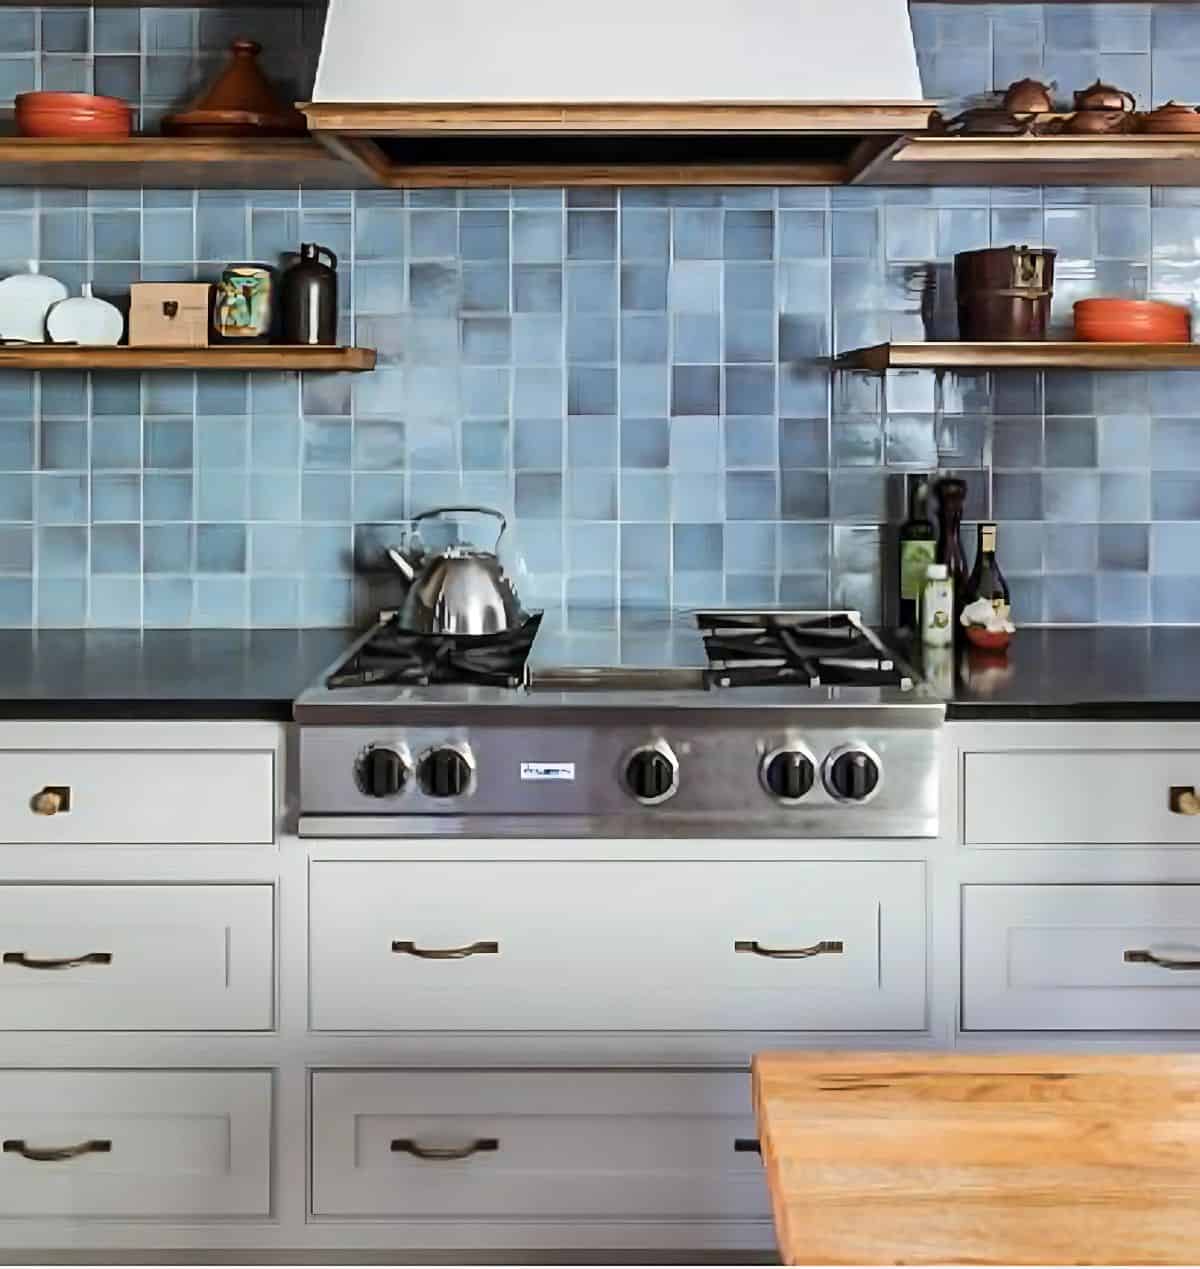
x=169 y=314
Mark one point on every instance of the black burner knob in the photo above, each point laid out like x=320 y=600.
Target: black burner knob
x=444 y=773
x=789 y=775
x=382 y=773
x=853 y=776
x=651 y=775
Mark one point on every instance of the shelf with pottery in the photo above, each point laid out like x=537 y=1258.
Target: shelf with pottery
x=1033 y=355
x=173 y=163
x=249 y=357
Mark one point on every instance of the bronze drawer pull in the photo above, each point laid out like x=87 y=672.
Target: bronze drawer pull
x=62 y=962
x=406 y=1145
x=445 y=953
x=824 y=947
x=55 y=1154
x=1183 y=800
x=1142 y=957
x=51 y=800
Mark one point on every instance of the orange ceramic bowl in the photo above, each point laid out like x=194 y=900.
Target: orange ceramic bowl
x=1132 y=321
x=988 y=640
x=72 y=115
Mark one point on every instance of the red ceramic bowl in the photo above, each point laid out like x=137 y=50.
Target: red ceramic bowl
x=1132 y=321
x=72 y=115
x=989 y=640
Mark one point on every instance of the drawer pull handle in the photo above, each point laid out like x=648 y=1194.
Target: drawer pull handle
x=481 y=1145
x=62 y=962
x=51 y=800
x=1142 y=957
x=445 y=953
x=823 y=948
x=55 y=1154
x=747 y=1145
x=1184 y=800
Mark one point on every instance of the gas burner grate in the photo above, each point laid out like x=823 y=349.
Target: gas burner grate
x=747 y=649
x=393 y=656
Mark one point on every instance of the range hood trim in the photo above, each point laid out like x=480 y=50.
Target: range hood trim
x=354 y=131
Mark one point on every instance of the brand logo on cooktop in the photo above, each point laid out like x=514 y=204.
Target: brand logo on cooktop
x=547 y=771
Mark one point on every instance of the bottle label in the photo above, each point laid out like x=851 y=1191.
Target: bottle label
x=987 y=537
x=915 y=558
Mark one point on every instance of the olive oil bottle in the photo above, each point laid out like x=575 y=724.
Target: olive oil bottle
x=918 y=547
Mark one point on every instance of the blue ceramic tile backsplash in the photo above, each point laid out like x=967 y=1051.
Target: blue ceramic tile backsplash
x=633 y=375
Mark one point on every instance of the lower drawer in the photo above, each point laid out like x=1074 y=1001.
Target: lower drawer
x=1081 y=958
x=594 y=946
x=535 y=1144
x=135 y=1143
x=136 y=958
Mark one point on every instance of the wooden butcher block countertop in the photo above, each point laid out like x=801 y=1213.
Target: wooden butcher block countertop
x=928 y=1158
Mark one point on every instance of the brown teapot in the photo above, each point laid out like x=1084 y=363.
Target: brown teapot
x=1028 y=97
x=1100 y=96
x=1171 y=118
x=1085 y=122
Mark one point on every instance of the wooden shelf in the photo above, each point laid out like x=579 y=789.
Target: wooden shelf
x=1096 y=160
x=174 y=163
x=1047 y=355
x=220 y=357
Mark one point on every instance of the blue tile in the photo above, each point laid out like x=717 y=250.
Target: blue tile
x=645 y=235
x=592 y=495
x=695 y=498
x=802 y=235
x=697 y=338
x=221 y=494
x=644 y=390
x=62 y=552
x=116 y=498
x=749 y=235
x=64 y=445
x=62 y=499
x=116 y=30
x=16 y=601
x=116 y=548
x=750 y=546
x=698 y=548
x=855 y=233
x=1070 y=598
x=749 y=390
x=62 y=602
x=16 y=498
x=591 y=390
x=220 y=601
x=485 y=445
x=167 y=235
x=538 y=494
x=537 y=236
x=591 y=337
x=698 y=234
x=221 y=548
x=433 y=288
x=1123 y=598
x=17 y=34
x=537 y=444
x=695 y=287
x=644 y=338
x=1175 y=495
x=16 y=549
x=696 y=390
x=752 y=495
x=378 y=233
x=483 y=235
x=274 y=602
x=326 y=496
x=168 y=442
x=1175 y=599
x=167 y=497
x=749 y=286
x=221 y=442
x=803 y=547
x=646 y=495
x=644 y=287
x=1071 y=442
x=1124 y=496
x=591 y=235
x=486 y=340
x=485 y=288
x=64 y=237
x=592 y=442
x=1070 y=548
x=17 y=75
x=1017 y=496
x=751 y=442
x=591 y=288
x=538 y=393
x=750 y=336
x=537 y=288
x=1072 y=496
x=167 y=548
x=433 y=234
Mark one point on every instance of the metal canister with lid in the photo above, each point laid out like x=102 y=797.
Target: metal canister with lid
x=1004 y=293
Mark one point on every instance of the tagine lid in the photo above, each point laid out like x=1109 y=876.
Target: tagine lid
x=239 y=102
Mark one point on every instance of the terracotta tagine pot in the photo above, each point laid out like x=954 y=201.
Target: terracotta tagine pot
x=1095 y=122
x=240 y=102
x=1171 y=118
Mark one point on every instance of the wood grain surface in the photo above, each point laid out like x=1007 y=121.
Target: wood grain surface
x=216 y=357
x=1035 y=355
x=934 y=1158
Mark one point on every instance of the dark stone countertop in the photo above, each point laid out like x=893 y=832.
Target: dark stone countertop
x=1115 y=672
x=1121 y=672
x=160 y=674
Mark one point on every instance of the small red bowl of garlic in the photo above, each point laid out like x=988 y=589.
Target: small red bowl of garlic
x=985 y=627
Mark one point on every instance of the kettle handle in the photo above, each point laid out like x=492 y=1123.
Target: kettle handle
x=483 y=511
x=318 y=251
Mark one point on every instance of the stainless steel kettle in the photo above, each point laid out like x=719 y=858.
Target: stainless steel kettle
x=459 y=590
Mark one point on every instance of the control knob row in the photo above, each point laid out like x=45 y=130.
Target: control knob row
x=444 y=772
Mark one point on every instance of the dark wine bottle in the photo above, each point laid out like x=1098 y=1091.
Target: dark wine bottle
x=918 y=545
x=952 y=494
x=986 y=580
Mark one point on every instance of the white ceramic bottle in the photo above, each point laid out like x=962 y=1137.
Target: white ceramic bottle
x=25 y=300
x=937 y=608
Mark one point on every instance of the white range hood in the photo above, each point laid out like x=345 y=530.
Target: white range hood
x=504 y=90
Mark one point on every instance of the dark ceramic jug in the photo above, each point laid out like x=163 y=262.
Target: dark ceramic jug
x=308 y=300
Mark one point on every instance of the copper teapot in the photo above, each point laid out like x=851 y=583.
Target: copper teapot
x=1027 y=97
x=1099 y=121
x=1106 y=97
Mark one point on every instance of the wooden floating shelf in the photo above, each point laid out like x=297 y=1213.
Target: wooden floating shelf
x=173 y=163
x=1047 y=355
x=1084 y=160
x=221 y=357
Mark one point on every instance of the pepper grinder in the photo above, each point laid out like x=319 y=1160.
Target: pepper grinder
x=952 y=494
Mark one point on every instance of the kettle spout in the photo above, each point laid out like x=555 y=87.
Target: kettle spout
x=401 y=561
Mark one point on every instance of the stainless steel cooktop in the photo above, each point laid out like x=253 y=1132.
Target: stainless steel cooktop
x=721 y=723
